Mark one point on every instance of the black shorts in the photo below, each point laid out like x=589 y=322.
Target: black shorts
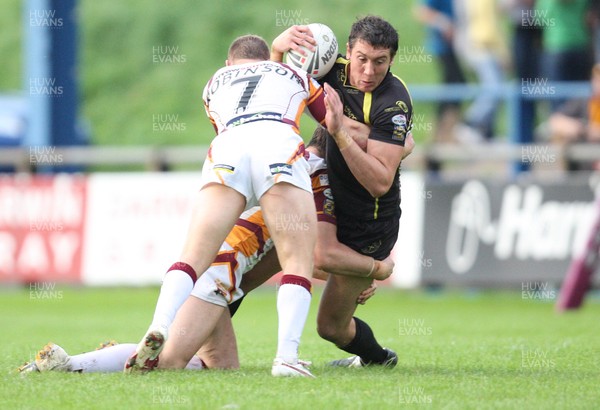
x=374 y=238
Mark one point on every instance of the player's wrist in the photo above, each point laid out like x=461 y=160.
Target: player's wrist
x=374 y=267
x=342 y=138
x=276 y=55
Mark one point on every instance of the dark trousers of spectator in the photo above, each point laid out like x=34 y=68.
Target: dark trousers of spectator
x=448 y=111
x=452 y=73
x=527 y=52
x=568 y=65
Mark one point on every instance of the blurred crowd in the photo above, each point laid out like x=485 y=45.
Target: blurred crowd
x=550 y=41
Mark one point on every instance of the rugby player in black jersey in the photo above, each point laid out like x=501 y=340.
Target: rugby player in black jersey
x=364 y=180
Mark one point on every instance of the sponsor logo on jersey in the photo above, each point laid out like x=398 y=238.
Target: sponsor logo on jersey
x=399 y=120
x=342 y=75
x=328 y=207
x=400 y=127
x=402 y=105
x=392 y=109
x=348 y=113
x=259 y=116
x=372 y=248
x=280 y=168
x=399 y=134
x=323 y=180
x=223 y=167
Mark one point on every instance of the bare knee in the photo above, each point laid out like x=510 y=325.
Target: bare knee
x=329 y=331
x=221 y=363
x=166 y=362
x=215 y=359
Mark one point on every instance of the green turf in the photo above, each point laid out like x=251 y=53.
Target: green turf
x=457 y=351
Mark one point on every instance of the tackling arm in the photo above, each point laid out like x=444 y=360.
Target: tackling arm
x=374 y=169
x=336 y=258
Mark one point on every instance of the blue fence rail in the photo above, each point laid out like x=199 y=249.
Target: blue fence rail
x=511 y=94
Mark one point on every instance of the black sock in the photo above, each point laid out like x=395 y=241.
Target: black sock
x=365 y=345
x=233 y=307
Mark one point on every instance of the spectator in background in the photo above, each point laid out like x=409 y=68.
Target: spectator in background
x=480 y=42
x=439 y=18
x=527 y=50
x=566 y=41
x=579 y=120
x=594 y=13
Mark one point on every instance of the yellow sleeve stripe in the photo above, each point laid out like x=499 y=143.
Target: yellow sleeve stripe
x=404 y=84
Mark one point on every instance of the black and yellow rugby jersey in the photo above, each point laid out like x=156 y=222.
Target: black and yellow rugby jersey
x=388 y=110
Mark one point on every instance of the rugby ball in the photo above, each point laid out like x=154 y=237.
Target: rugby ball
x=317 y=63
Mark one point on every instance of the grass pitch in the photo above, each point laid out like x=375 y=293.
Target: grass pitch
x=457 y=351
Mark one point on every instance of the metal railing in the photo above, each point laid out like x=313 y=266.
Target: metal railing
x=56 y=158
x=431 y=156
x=169 y=157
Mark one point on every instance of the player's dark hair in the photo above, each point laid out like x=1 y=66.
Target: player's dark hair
x=319 y=140
x=249 y=47
x=375 y=31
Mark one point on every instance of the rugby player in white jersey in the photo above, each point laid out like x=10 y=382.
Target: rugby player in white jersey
x=257 y=157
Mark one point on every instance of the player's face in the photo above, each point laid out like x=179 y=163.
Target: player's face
x=368 y=65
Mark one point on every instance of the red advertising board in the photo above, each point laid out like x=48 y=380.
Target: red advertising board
x=41 y=228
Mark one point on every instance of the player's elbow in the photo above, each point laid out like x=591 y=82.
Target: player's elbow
x=379 y=188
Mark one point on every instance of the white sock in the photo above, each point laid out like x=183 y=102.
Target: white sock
x=108 y=360
x=175 y=289
x=293 y=303
x=112 y=359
